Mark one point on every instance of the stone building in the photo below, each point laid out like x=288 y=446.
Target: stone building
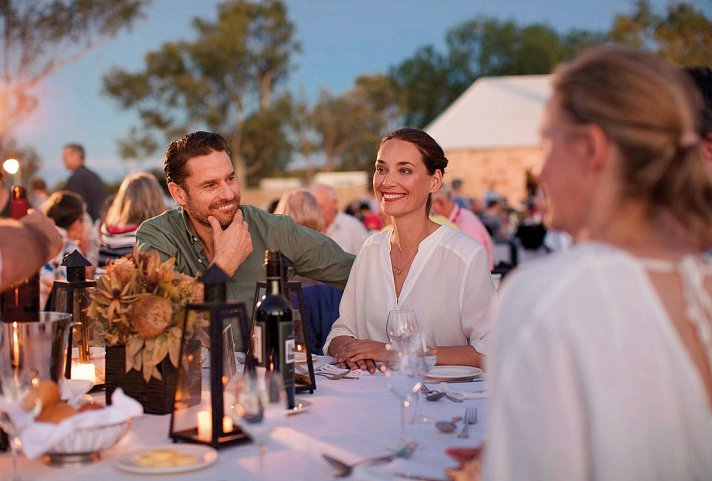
x=490 y=134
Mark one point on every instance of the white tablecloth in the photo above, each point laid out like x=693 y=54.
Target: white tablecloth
x=349 y=419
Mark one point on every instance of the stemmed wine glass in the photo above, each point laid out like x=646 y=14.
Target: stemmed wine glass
x=402 y=374
x=18 y=405
x=260 y=407
x=423 y=349
x=400 y=325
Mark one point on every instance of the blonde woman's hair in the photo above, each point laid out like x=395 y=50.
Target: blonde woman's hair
x=649 y=110
x=302 y=206
x=140 y=197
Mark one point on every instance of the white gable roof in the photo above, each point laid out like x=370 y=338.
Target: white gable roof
x=494 y=112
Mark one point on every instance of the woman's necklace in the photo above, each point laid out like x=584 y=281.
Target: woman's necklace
x=400 y=270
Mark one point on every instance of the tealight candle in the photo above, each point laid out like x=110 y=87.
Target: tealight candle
x=83 y=371
x=227 y=424
x=205 y=429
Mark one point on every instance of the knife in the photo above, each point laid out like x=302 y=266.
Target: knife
x=418 y=477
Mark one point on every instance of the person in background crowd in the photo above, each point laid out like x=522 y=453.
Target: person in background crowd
x=703 y=79
x=456 y=194
x=493 y=219
x=629 y=308
x=466 y=220
x=25 y=246
x=419 y=265
x=66 y=209
x=140 y=197
x=83 y=181
x=302 y=206
x=38 y=192
x=347 y=231
x=211 y=227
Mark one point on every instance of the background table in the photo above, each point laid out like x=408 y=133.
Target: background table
x=349 y=419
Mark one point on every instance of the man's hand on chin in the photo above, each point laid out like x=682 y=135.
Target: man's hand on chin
x=232 y=245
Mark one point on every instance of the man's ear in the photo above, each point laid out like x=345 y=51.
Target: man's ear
x=180 y=196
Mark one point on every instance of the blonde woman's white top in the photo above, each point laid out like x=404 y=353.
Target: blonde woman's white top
x=448 y=286
x=590 y=380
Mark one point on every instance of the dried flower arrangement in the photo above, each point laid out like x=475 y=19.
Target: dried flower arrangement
x=138 y=303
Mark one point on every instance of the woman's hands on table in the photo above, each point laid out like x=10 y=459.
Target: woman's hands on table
x=358 y=353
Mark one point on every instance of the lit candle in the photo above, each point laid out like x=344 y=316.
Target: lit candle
x=83 y=371
x=227 y=424
x=299 y=347
x=205 y=429
x=15 y=346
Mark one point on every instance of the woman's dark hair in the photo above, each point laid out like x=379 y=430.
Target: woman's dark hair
x=179 y=152
x=433 y=155
x=64 y=208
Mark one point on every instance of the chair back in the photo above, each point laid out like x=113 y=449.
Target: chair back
x=322 y=309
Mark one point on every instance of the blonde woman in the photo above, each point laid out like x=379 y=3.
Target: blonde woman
x=302 y=206
x=140 y=197
x=601 y=357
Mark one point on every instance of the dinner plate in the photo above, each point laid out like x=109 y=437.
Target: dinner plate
x=453 y=373
x=301 y=356
x=300 y=406
x=194 y=456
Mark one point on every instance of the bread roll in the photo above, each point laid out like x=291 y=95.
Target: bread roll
x=56 y=413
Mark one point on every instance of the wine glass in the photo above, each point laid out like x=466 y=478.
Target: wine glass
x=423 y=349
x=400 y=325
x=259 y=408
x=402 y=375
x=18 y=407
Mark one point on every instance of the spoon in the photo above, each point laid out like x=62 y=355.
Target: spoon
x=447 y=426
x=434 y=395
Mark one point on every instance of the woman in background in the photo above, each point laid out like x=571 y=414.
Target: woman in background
x=302 y=206
x=601 y=357
x=140 y=197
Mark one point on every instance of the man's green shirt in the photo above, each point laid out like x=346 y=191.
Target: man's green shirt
x=314 y=255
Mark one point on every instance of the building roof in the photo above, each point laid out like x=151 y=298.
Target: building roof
x=494 y=112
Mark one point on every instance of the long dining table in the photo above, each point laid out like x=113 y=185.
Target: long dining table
x=348 y=419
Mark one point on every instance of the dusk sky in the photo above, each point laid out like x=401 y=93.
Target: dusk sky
x=341 y=39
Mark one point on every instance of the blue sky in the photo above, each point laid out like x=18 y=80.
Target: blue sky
x=341 y=39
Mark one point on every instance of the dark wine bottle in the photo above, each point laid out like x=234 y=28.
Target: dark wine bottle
x=21 y=301
x=274 y=329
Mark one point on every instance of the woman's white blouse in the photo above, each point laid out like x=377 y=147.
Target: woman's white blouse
x=589 y=377
x=448 y=286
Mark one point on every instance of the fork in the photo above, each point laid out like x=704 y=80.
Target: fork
x=345 y=469
x=470 y=418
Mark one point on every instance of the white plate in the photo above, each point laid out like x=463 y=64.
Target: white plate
x=300 y=406
x=205 y=457
x=444 y=373
x=301 y=356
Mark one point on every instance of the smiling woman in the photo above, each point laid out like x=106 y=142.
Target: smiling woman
x=403 y=268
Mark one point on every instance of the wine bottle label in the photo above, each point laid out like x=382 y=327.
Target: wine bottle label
x=289 y=349
x=258 y=342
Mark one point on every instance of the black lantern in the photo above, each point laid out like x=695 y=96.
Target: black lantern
x=304 y=378
x=203 y=415
x=72 y=296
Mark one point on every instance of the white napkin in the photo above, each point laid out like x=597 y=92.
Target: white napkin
x=447 y=389
x=73 y=389
x=38 y=438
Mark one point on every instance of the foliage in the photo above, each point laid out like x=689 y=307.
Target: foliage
x=683 y=35
x=40 y=36
x=428 y=82
x=139 y=304
x=222 y=81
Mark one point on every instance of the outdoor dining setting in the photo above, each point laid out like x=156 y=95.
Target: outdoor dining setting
x=370 y=241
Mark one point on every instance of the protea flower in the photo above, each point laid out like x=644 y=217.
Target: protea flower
x=151 y=315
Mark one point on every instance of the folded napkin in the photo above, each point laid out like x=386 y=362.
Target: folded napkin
x=447 y=389
x=38 y=438
x=73 y=390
